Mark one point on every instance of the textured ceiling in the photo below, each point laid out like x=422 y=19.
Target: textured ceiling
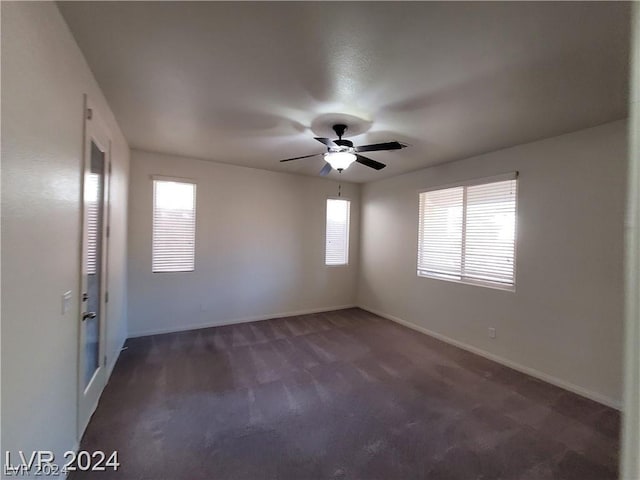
x=244 y=83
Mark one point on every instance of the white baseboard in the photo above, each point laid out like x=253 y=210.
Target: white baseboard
x=235 y=321
x=597 y=397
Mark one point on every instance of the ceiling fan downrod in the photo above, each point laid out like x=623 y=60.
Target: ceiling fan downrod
x=340 y=129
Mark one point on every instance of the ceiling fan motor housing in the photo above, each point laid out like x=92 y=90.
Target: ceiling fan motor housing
x=345 y=145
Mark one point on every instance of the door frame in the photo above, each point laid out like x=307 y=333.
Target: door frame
x=94 y=131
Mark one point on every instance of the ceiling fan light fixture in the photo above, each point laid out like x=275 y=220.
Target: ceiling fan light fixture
x=340 y=160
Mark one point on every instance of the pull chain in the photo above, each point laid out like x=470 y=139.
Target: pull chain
x=339 y=190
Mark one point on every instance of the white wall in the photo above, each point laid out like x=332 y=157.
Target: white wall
x=259 y=247
x=564 y=322
x=630 y=458
x=44 y=77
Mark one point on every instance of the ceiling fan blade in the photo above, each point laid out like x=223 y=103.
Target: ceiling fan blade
x=380 y=146
x=298 y=158
x=326 y=141
x=325 y=170
x=369 y=163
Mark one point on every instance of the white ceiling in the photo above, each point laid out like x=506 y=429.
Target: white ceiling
x=243 y=83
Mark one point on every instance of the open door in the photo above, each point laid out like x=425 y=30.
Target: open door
x=95 y=194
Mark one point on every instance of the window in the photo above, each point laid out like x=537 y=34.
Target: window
x=467 y=233
x=174 y=226
x=337 y=237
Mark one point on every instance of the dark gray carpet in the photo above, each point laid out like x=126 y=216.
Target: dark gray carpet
x=344 y=394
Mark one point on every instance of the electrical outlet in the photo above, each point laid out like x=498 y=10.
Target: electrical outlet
x=492 y=332
x=66 y=301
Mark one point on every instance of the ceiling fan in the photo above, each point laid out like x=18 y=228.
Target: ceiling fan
x=341 y=153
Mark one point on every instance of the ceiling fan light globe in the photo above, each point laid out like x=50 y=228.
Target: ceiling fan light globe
x=340 y=160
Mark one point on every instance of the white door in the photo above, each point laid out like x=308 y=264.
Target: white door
x=92 y=369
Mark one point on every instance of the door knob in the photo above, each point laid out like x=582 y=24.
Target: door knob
x=87 y=315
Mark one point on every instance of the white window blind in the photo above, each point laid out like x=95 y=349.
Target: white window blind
x=174 y=226
x=490 y=232
x=92 y=194
x=468 y=233
x=440 y=231
x=337 y=233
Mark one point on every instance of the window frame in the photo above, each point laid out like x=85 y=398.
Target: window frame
x=348 y=242
x=470 y=183
x=190 y=181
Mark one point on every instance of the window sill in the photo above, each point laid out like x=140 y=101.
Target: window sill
x=477 y=283
x=173 y=271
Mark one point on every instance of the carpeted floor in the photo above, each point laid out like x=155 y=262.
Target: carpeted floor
x=343 y=394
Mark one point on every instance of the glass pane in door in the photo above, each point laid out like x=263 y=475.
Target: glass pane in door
x=94 y=207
